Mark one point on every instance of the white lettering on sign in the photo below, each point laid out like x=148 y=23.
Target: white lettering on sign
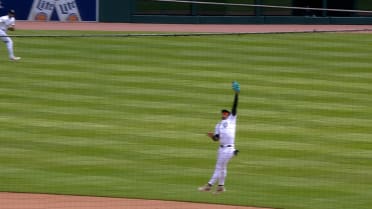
x=67 y=10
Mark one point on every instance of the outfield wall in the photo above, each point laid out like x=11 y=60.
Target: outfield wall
x=145 y=11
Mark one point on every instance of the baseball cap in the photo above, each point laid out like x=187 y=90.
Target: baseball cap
x=225 y=111
x=11 y=12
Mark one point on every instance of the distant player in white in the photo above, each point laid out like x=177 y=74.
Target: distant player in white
x=225 y=134
x=7 y=22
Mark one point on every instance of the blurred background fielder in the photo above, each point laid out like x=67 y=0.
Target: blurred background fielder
x=7 y=22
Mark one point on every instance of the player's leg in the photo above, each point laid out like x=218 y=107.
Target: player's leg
x=9 y=45
x=3 y=36
x=218 y=168
x=227 y=155
x=225 y=160
x=215 y=175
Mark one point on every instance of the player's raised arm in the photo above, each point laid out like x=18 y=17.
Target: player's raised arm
x=236 y=88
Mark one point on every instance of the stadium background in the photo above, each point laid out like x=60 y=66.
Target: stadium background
x=169 y=12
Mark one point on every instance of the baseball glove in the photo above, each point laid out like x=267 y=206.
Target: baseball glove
x=236 y=86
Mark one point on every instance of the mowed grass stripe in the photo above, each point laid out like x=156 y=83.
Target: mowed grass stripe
x=128 y=117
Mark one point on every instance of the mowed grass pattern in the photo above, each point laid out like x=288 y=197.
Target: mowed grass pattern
x=128 y=117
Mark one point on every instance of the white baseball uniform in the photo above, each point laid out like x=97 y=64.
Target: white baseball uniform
x=5 y=23
x=226 y=131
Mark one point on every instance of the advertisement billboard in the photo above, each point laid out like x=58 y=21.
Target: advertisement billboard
x=52 y=10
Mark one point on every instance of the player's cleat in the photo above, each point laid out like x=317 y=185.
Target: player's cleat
x=15 y=58
x=219 y=189
x=205 y=188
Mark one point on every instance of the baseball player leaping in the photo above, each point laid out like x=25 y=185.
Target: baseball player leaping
x=225 y=134
x=7 y=22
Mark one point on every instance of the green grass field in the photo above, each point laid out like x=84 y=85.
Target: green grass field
x=127 y=117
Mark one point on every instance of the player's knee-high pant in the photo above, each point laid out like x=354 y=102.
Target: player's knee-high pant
x=223 y=157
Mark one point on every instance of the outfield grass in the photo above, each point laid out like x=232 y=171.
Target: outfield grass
x=127 y=117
